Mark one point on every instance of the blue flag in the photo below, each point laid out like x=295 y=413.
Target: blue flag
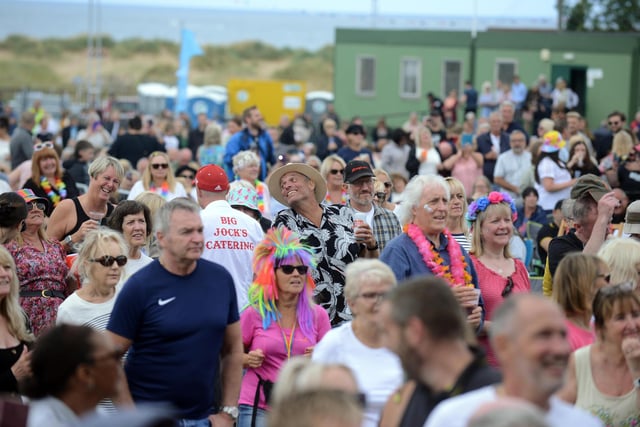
x=188 y=48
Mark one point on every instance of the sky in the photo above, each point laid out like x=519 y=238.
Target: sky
x=493 y=8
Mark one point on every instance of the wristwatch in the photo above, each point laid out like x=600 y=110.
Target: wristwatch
x=68 y=241
x=232 y=411
x=636 y=383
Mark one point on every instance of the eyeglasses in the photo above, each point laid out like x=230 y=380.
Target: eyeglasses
x=191 y=177
x=381 y=195
x=373 y=296
x=336 y=171
x=42 y=145
x=41 y=206
x=160 y=165
x=108 y=260
x=606 y=277
x=387 y=184
x=288 y=269
x=614 y=123
x=508 y=288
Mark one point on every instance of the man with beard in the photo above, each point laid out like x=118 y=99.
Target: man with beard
x=253 y=137
x=359 y=178
x=529 y=335
x=426 y=327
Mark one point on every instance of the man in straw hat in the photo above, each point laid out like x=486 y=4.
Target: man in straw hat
x=328 y=230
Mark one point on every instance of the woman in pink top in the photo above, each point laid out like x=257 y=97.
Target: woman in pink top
x=281 y=320
x=466 y=164
x=499 y=274
x=577 y=279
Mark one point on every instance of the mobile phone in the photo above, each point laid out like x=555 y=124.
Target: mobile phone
x=467 y=139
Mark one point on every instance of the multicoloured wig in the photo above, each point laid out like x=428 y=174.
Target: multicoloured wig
x=281 y=246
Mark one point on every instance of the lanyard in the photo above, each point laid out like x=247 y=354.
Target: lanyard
x=288 y=344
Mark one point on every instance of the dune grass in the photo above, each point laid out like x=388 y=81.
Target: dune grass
x=54 y=63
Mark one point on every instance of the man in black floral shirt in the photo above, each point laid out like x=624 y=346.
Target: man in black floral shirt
x=328 y=230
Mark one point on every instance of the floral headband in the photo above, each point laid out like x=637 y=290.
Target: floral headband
x=494 y=198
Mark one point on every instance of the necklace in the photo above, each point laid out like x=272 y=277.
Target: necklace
x=455 y=274
x=260 y=190
x=163 y=190
x=55 y=192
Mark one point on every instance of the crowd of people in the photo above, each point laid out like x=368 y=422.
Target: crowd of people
x=452 y=271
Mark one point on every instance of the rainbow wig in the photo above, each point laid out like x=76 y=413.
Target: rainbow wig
x=281 y=246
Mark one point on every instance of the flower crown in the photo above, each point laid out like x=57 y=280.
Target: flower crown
x=494 y=198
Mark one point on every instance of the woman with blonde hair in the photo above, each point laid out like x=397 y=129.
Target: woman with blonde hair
x=382 y=190
x=456 y=222
x=332 y=170
x=577 y=279
x=158 y=178
x=621 y=146
x=499 y=274
x=426 y=153
x=622 y=255
x=48 y=180
x=246 y=167
x=211 y=152
x=14 y=355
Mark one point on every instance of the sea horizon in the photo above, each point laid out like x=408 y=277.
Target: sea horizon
x=295 y=29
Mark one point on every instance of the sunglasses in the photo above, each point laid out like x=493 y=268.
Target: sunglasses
x=108 y=260
x=42 y=145
x=336 y=171
x=508 y=288
x=41 y=206
x=191 y=177
x=160 y=165
x=381 y=195
x=288 y=269
x=614 y=123
x=606 y=277
x=387 y=184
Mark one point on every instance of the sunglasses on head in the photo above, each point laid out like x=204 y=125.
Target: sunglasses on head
x=288 y=269
x=508 y=288
x=336 y=171
x=108 y=260
x=42 y=145
x=160 y=165
x=41 y=206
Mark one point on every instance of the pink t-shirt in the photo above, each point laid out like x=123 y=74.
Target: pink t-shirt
x=579 y=337
x=272 y=344
x=491 y=285
x=466 y=170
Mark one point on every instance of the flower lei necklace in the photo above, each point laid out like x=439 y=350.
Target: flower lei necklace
x=260 y=190
x=163 y=190
x=456 y=274
x=343 y=198
x=55 y=192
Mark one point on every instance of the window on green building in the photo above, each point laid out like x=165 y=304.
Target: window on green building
x=505 y=70
x=365 y=75
x=410 y=77
x=452 y=76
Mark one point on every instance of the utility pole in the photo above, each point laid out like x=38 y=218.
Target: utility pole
x=374 y=13
x=560 y=6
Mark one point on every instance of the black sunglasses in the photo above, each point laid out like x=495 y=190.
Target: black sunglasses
x=336 y=171
x=387 y=185
x=508 y=288
x=108 y=260
x=288 y=269
x=381 y=195
x=160 y=165
x=192 y=177
x=41 y=206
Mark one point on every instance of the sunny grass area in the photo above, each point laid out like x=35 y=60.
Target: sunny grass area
x=52 y=64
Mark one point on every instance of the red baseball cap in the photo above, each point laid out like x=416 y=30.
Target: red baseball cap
x=212 y=178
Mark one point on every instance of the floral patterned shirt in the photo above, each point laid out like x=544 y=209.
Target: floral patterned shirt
x=334 y=246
